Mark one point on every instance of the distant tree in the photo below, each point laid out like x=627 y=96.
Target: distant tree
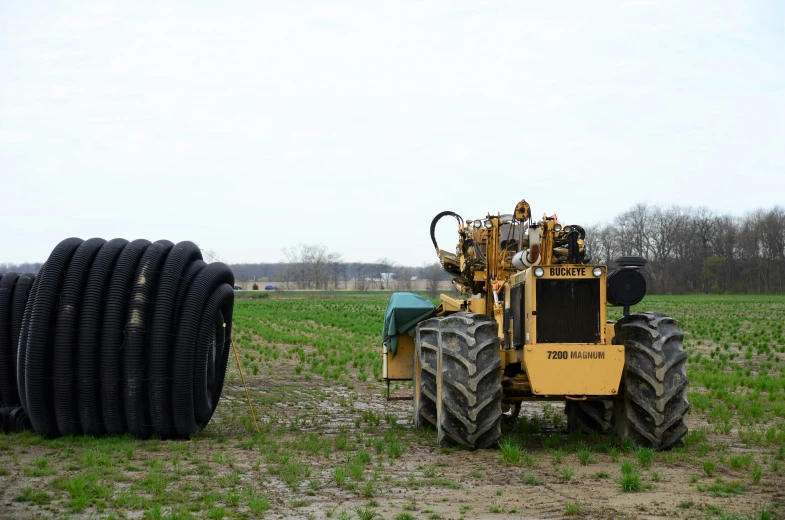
x=336 y=267
x=211 y=255
x=25 y=267
x=403 y=278
x=310 y=266
x=361 y=274
x=385 y=277
x=433 y=275
x=711 y=273
x=255 y=286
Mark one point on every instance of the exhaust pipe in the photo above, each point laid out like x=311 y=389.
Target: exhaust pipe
x=529 y=257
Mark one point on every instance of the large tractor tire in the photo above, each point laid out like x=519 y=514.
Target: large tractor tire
x=589 y=416
x=470 y=381
x=653 y=404
x=426 y=361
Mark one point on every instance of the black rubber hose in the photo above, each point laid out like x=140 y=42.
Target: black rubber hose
x=112 y=338
x=175 y=278
x=21 y=294
x=7 y=383
x=207 y=281
x=143 y=293
x=21 y=352
x=66 y=333
x=40 y=402
x=209 y=346
x=88 y=350
x=436 y=220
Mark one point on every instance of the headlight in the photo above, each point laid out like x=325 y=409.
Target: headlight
x=539 y=271
x=488 y=224
x=597 y=271
x=557 y=227
x=477 y=223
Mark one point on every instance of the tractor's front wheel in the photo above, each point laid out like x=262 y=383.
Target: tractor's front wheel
x=468 y=403
x=653 y=405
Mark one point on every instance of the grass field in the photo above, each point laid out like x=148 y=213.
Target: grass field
x=331 y=446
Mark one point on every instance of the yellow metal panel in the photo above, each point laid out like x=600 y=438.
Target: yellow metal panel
x=610 y=332
x=402 y=365
x=477 y=305
x=510 y=356
x=498 y=315
x=518 y=278
x=574 y=369
x=450 y=304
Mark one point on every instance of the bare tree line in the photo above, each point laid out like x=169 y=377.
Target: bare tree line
x=315 y=267
x=690 y=250
x=696 y=250
x=26 y=267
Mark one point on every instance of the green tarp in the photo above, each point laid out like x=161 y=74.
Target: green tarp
x=404 y=312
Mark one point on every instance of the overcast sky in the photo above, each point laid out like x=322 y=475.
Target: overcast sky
x=249 y=126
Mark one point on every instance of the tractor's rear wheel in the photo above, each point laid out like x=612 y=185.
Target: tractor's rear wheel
x=589 y=416
x=653 y=404
x=469 y=377
x=426 y=361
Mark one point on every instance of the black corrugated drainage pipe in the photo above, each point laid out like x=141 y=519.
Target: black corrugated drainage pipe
x=115 y=337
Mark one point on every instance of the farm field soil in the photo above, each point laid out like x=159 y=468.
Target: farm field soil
x=331 y=446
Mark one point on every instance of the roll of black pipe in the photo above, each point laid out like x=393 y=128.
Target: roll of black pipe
x=180 y=268
x=89 y=337
x=210 y=343
x=63 y=362
x=143 y=293
x=24 y=333
x=38 y=380
x=22 y=290
x=116 y=337
x=222 y=358
x=20 y=422
x=7 y=383
x=209 y=279
x=113 y=338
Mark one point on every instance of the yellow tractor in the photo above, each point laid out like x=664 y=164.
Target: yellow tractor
x=532 y=326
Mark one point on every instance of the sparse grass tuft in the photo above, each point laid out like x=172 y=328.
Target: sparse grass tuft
x=572 y=508
x=585 y=457
x=645 y=456
x=530 y=479
x=630 y=480
x=511 y=451
x=566 y=472
x=32 y=496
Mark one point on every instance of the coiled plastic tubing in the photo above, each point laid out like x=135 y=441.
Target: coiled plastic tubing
x=118 y=337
